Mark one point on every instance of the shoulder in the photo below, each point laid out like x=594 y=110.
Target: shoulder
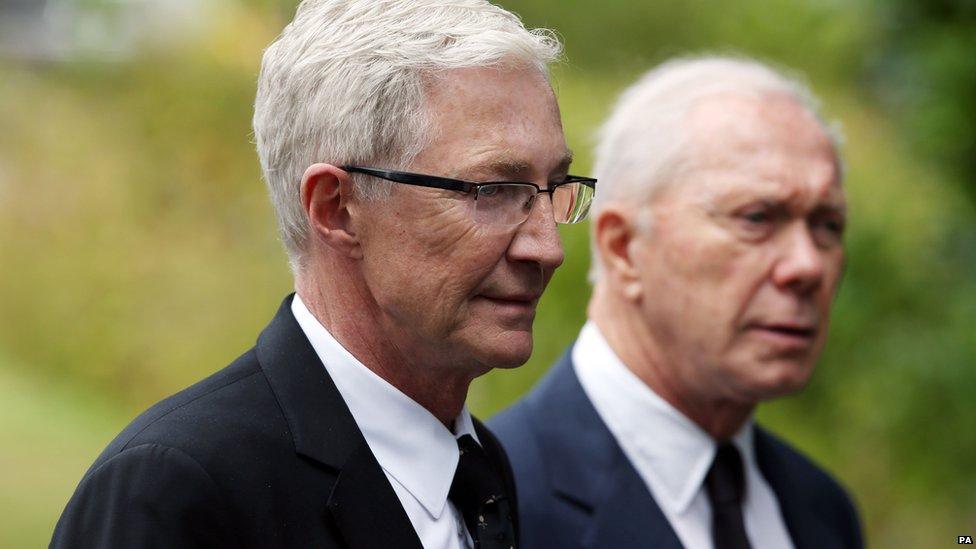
x=207 y=418
x=548 y=411
x=218 y=427
x=175 y=470
x=513 y=426
x=517 y=431
x=161 y=495
x=545 y=402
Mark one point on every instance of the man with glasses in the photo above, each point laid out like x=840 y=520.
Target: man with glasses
x=416 y=162
x=718 y=246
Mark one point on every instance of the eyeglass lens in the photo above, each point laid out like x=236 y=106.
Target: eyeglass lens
x=571 y=202
x=511 y=203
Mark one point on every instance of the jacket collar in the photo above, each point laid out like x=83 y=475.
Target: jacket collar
x=586 y=470
x=322 y=428
x=592 y=472
x=410 y=444
x=362 y=502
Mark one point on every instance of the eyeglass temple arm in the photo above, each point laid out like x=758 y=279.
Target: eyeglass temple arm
x=414 y=179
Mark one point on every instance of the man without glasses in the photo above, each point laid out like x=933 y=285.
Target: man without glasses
x=405 y=144
x=717 y=240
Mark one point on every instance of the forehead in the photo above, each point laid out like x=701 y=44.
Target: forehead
x=769 y=147
x=492 y=119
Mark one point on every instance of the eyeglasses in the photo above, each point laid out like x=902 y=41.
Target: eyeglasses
x=504 y=203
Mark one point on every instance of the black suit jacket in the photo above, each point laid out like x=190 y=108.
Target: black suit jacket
x=262 y=454
x=578 y=489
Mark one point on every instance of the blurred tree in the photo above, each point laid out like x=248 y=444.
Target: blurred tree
x=925 y=70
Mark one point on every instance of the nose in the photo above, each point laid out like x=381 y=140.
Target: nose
x=537 y=240
x=800 y=266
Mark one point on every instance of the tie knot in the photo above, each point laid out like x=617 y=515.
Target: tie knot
x=725 y=481
x=466 y=443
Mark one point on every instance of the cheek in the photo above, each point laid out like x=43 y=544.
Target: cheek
x=465 y=255
x=426 y=273
x=698 y=273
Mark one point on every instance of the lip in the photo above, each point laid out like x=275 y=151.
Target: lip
x=521 y=303
x=788 y=335
x=513 y=299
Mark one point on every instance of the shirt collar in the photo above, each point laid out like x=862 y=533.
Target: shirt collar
x=674 y=451
x=409 y=443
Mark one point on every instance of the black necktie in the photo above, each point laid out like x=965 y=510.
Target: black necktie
x=480 y=496
x=725 y=484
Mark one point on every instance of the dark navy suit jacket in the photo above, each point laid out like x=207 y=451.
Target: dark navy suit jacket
x=264 y=453
x=577 y=488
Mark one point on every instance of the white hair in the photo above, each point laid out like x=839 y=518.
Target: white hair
x=644 y=142
x=345 y=84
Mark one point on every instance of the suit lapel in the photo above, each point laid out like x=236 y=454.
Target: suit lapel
x=591 y=471
x=362 y=502
x=366 y=509
x=628 y=516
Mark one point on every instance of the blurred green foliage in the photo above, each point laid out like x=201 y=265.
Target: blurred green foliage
x=925 y=70
x=140 y=254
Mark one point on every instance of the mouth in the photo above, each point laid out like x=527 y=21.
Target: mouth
x=521 y=299
x=786 y=334
x=516 y=304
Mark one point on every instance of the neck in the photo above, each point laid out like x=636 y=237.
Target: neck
x=622 y=325
x=355 y=321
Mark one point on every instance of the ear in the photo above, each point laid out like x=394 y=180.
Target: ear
x=326 y=191
x=614 y=234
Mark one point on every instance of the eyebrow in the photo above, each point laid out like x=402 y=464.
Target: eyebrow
x=831 y=208
x=771 y=192
x=565 y=162
x=512 y=168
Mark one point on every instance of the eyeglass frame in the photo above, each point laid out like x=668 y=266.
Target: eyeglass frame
x=447 y=183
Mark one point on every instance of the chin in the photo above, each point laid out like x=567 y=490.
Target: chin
x=781 y=378
x=508 y=350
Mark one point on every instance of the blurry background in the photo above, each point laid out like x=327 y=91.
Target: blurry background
x=138 y=250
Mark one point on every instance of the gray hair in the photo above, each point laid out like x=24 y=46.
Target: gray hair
x=345 y=83
x=640 y=147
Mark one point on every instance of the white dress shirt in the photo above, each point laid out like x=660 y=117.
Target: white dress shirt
x=418 y=454
x=670 y=452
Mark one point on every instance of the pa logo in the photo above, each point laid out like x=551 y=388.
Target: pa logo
x=964 y=540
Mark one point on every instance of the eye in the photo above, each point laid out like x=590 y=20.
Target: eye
x=829 y=230
x=836 y=227
x=488 y=190
x=757 y=217
x=757 y=220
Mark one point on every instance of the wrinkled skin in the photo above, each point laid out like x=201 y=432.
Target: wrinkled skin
x=732 y=281
x=433 y=299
